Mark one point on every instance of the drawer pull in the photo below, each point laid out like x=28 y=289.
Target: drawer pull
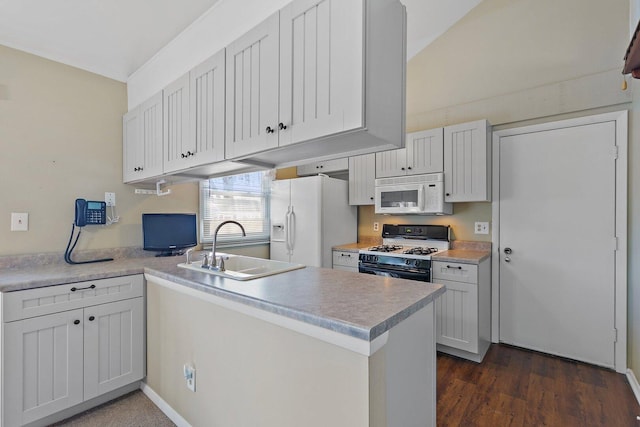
x=76 y=322
x=92 y=318
x=81 y=289
x=458 y=267
x=349 y=255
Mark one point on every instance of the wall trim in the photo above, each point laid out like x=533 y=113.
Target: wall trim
x=163 y=406
x=633 y=382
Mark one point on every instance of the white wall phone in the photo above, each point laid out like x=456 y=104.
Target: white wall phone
x=86 y=213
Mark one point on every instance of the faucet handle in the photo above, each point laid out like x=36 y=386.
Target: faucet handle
x=221 y=266
x=188 y=254
x=205 y=261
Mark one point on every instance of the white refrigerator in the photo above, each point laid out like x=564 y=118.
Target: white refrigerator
x=309 y=216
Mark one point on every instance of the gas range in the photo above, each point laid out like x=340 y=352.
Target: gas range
x=405 y=252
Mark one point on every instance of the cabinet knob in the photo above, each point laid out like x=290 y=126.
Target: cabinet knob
x=281 y=126
x=76 y=322
x=92 y=318
x=447 y=194
x=402 y=169
x=182 y=155
x=189 y=153
x=409 y=168
x=269 y=130
x=371 y=198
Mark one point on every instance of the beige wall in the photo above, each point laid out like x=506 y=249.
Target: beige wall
x=61 y=139
x=510 y=61
x=527 y=61
x=249 y=372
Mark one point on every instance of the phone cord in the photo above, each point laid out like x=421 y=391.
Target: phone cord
x=67 y=252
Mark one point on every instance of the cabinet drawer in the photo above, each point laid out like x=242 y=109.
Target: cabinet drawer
x=467 y=273
x=345 y=259
x=52 y=299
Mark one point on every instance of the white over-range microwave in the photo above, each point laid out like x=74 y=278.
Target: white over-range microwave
x=416 y=194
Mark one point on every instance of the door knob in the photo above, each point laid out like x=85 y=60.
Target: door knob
x=508 y=251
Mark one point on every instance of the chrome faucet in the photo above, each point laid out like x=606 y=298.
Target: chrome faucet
x=214 y=263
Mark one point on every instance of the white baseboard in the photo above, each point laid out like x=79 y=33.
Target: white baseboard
x=635 y=386
x=164 y=406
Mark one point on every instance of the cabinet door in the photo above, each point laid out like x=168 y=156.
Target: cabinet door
x=178 y=144
x=467 y=163
x=362 y=179
x=425 y=151
x=391 y=163
x=142 y=140
x=113 y=346
x=457 y=316
x=328 y=166
x=151 y=112
x=252 y=90
x=42 y=366
x=132 y=146
x=207 y=110
x=321 y=55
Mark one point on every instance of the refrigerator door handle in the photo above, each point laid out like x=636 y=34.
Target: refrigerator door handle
x=287 y=227
x=292 y=235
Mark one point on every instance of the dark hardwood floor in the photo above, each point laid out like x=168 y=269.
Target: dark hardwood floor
x=515 y=387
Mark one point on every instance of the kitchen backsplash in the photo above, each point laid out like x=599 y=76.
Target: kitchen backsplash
x=462 y=221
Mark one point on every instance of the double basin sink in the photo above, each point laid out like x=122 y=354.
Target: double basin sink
x=239 y=267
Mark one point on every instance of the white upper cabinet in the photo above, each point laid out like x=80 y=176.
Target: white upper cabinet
x=207 y=85
x=423 y=154
x=467 y=162
x=339 y=85
x=142 y=140
x=252 y=90
x=425 y=151
x=362 y=174
x=177 y=142
x=391 y=163
x=320 y=68
x=330 y=166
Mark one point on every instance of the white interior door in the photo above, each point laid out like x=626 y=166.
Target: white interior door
x=557 y=216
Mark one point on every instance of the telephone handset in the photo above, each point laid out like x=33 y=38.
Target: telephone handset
x=87 y=213
x=90 y=213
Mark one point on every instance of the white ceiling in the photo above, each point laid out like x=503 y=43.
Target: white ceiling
x=115 y=37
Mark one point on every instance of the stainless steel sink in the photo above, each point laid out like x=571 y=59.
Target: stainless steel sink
x=238 y=267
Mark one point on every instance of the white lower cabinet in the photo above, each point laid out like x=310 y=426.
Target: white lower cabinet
x=52 y=362
x=346 y=261
x=463 y=312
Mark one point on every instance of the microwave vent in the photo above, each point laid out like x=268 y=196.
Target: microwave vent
x=414 y=179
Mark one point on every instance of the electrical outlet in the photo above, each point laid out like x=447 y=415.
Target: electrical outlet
x=376 y=226
x=110 y=199
x=19 y=221
x=482 y=228
x=190 y=376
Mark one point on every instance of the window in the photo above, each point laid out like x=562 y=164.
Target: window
x=243 y=198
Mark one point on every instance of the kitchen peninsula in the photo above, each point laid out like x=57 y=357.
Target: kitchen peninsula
x=307 y=347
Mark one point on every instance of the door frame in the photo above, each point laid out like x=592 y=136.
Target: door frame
x=621 y=124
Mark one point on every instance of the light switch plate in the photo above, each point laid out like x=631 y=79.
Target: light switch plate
x=19 y=221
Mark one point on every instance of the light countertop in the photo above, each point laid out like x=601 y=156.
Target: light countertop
x=357 y=305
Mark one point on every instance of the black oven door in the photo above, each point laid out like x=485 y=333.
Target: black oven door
x=422 y=275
